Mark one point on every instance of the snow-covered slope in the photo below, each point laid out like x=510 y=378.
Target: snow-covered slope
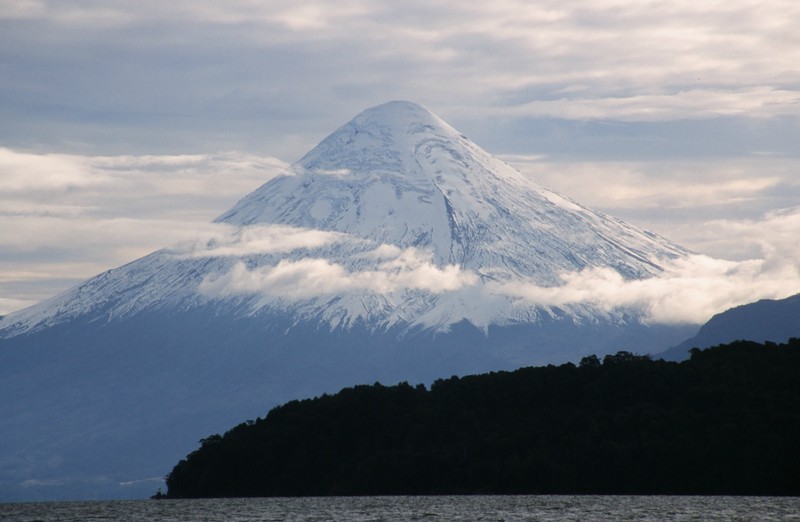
x=395 y=250
x=395 y=218
x=398 y=175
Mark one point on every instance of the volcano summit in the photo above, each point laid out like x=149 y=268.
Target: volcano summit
x=395 y=250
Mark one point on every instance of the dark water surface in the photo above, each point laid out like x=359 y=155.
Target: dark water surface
x=444 y=508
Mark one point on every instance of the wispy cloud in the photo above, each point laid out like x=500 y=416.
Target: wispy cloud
x=697 y=203
x=271 y=76
x=44 y=172
x=65 y=218
x=259 y=239
x=690 y=104
x=306 y=278
x=690 y=291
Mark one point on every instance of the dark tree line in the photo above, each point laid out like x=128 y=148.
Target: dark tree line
x=727 y=421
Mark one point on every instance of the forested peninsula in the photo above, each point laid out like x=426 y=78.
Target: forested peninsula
x=726 y=421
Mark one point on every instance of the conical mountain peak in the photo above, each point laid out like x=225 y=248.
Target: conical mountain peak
x=379 y=218
x=399 y=113
x=398 y=117
x=397 y=174
x=381 y=138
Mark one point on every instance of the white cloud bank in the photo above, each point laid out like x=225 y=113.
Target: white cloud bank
x=693 y=289
x=65 y=218
x=306 y=278
x=227 y=241
x=690 y=290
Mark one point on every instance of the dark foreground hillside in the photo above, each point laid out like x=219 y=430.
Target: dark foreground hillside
x=727 y=421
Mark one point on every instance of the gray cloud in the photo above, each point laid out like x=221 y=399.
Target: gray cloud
x=686 y=200
x=64 y=218
x=273 y=78
x=258 y=239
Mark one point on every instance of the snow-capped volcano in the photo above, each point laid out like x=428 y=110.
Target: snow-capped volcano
x=395 y=218
x=396 y=249
x=398 y=175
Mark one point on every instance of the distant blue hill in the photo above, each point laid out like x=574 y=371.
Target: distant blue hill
x=765 y=320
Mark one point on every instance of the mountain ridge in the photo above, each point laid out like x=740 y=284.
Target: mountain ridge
x=772 y=320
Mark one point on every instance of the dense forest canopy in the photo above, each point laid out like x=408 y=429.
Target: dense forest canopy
x=727 y=421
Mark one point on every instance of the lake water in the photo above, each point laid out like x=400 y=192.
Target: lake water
x=444 y=508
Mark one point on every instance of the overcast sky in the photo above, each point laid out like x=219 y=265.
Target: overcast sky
x=127 y=126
